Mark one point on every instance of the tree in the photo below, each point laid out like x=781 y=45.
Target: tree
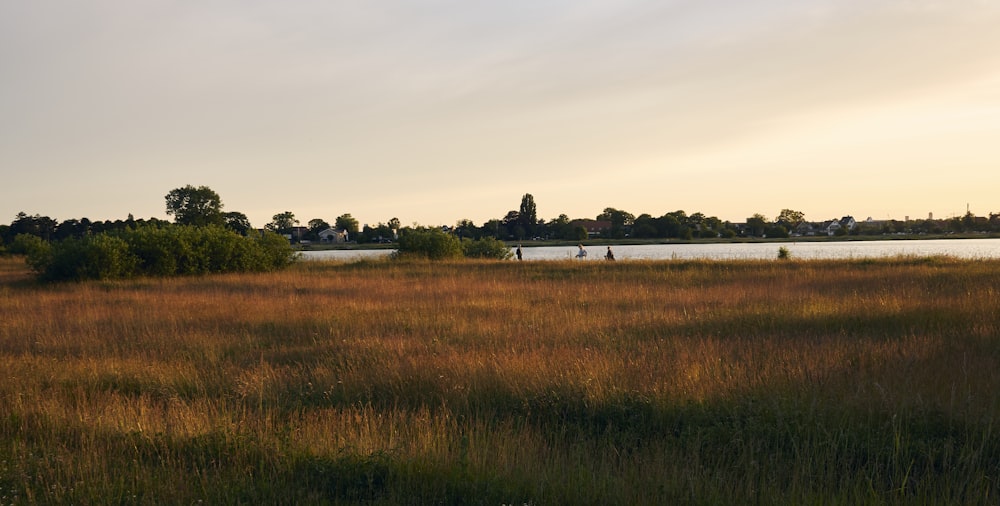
x=527 y=215
x=512 y=225
x=467 y=229
x=620 y=220
x=558 y=227
x=790 y=219
x=316 y=225
x=199 y=206
x=237 y=222
x=644 y=226
x=37 y=225
x=756 y=224
x=282 y=223
x=348 y=223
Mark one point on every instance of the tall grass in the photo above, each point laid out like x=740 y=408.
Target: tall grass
x=507 y=383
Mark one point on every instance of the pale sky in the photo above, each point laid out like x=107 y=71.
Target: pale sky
x=440 y=110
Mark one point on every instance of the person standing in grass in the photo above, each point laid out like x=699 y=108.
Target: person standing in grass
x=609 y=256
x=518 y=252
x=582 y=253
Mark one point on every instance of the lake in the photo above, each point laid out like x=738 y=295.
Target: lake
x=961 y=248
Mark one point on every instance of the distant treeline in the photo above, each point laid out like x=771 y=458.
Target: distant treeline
x=202 y=206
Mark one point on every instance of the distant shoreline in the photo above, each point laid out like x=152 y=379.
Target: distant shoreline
x=629 y=241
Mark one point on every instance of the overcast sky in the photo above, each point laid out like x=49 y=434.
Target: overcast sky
x=439 y=110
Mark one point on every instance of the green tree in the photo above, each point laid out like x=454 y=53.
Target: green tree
x=558 y=227
x=644 y=226
x=37 y=225
x=757 y=224
x=348 y=223
x=512 y=225
x=790 y=218
x=282 y=223
x=199 y=206
x=669 y=225
x=316 y=225
x=620 y=221
x=527 y=215
x=237 y=222
x=467 y=229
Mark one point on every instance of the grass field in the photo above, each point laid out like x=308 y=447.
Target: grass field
x=677 y=382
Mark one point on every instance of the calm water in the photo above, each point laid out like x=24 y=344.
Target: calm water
x=961 y=248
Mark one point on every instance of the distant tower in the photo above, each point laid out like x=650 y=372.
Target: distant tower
x=930 y=216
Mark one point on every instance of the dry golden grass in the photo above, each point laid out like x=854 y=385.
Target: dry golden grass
x=544 y=382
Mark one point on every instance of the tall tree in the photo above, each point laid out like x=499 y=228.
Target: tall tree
x=528 y=214
x=199 y=206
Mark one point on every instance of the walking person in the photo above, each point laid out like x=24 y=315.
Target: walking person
x=609 y=256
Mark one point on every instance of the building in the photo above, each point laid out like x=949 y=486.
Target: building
x=332 y=235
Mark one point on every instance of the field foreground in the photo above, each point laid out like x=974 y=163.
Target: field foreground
x=762 y=382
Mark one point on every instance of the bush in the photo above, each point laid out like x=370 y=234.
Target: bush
x=93 y=257
x=431 y=243
x=158 y=251
x=487 y=247
x=271 y=252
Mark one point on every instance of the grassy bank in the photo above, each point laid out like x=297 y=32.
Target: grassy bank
x=507 y=383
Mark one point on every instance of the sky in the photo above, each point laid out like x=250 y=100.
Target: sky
x=434 y=111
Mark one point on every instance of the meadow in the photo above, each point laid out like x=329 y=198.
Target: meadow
x=485 y=382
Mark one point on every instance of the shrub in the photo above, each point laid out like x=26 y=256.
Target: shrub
x=487 y=247
x=270 y=252
x=36 y=251
x=431 y=243
x=158 y=251
x=93 y=257
x=784 y=253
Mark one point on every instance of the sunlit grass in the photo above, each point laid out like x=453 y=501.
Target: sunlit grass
x=486 y=382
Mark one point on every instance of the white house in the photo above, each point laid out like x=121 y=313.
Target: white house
x=333 y=235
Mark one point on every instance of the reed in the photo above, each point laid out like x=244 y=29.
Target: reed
x=483 y=382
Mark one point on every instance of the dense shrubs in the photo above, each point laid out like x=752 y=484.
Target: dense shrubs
x=434 y=244
x=430 y=243
x=487 y=247
x=158 y=251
